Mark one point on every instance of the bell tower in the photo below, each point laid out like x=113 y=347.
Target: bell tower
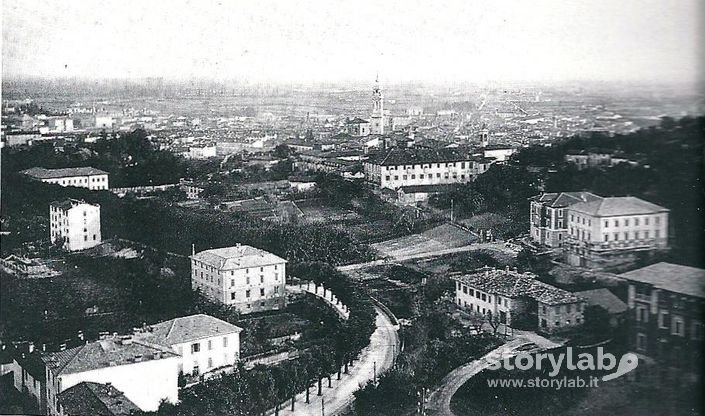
x=377 y=117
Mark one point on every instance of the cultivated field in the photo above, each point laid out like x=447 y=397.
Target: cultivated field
x=443 y=237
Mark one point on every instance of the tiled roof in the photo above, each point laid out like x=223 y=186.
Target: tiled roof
x=565 y=199
x=103 y=353
x=614 y=206
x=513 y=284
x=187 y=329
x=672 y=277
x=87 y=398
x=42 y=173
x=358 y=120
x=396 y=156
x=237 y=257
x=69 y=203
x=604 y=298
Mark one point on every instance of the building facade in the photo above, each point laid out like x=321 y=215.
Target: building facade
x=409 y=167
x=547 y=214
x=358 y=127
x=75 y=223
x=666 y=305
x=518 y=300
x=146 y=373
x=615 y=231
x=248 y=278
x=87 y=177
x=203 y=342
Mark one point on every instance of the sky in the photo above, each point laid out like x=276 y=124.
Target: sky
x=330 y=40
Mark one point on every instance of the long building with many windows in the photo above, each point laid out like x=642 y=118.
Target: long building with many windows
x=615 y=231
x=397 y=167
x=246 y=277
x=84 y=177
x=518 y=300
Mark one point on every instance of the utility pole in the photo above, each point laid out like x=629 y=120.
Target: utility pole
x=374 y=372
x=323 y=406
x=451 y=210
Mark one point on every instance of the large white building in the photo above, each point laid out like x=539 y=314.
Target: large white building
x=84 y=177
x=203 y=342
x=548 y=219
x=397 y=167
x=76 y=223
x=245 y=277
x=614 y=231
x=146 y=373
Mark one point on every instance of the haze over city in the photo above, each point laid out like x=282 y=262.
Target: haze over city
x=322 y=41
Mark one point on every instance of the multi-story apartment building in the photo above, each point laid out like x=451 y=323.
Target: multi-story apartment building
x=666 y=305
x=548 y=220
x=245 y=277
x=147 y=373
x=75 y=223
x=408 y=167
x=518 y=300
x=86 y=177
x=615 y=231
x=203 y=342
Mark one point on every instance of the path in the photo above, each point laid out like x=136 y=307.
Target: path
x=435 y=253
x=439 y=399
x=384 y=344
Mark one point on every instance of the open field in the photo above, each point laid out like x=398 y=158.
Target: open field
x=439 y=238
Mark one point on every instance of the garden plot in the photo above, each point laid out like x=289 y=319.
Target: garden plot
x=443 y=237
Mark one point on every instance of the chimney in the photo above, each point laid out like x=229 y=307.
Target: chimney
x=62 y=347
x=30 y=347
x=193 y=249
x=80 y=335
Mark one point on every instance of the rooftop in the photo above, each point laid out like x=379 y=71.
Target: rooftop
x=87 y=398
x=397 y=156
x=604 y=298
x=69 y=203
x=237 y=257
x=615 y=206
x=672 y=277
x=187 y=329
x=565 y=199
x=109 y=352
x=412 y=189
x=513 y=284
x=42 y=173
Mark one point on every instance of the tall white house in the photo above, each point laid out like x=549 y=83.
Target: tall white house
x=76 y=223
x=548 y=219
x=203 y=342
x=614 y=231
x=146 y=373
x=246 y=277
x=84 y=177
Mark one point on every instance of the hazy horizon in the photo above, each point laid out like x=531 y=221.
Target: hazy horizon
x=343 y=42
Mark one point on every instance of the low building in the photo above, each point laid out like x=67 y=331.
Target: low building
x=147 y=373
x=548 y=219
x=666 y=304
x=99 y=399
x=84 y=177
x=418 y=194
x=614 y=232
x=518 y=300
x=246 y=277
x=606 y=300
x=203 y=342
x=29 y=376
x=357 y=127
x=75 y=224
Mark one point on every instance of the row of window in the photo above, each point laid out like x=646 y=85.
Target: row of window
x=248 y=293
x=79 y=181
x=196 y=346
x=428 y=166
x=676 y=323
x=421 y=176
x=636 y=222
x=637 y=235
x=558 y=309
x=482 y=296
x=210 y=268
x=210 y=278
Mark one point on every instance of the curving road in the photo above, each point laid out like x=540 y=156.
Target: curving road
x=384 y=345
x=439 y=399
